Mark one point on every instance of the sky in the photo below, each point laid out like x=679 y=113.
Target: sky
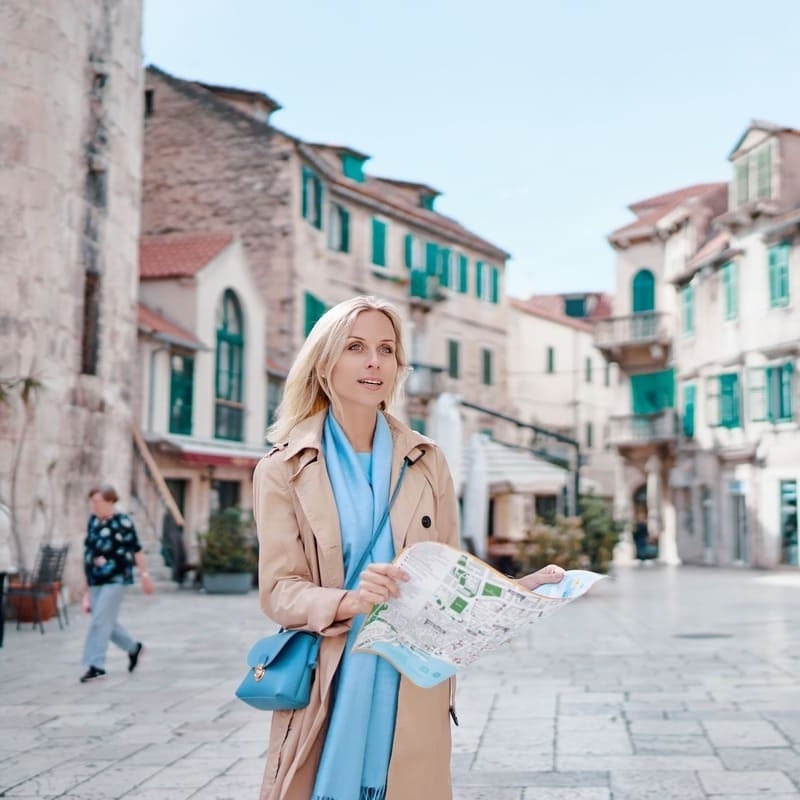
x=540 y=122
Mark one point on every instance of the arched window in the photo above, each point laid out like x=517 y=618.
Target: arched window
x=644 y=291
x=228 y=391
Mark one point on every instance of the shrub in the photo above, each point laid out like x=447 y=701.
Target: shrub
x=229 y=544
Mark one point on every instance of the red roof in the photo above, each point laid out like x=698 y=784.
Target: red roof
x=153 y=324
x=179 y=255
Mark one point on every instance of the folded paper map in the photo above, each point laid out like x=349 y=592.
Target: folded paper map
x=454 y=609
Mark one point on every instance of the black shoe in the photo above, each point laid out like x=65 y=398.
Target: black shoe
x=92 y=674
x=133 y=658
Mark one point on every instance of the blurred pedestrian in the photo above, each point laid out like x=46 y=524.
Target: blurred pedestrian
x=110 y=552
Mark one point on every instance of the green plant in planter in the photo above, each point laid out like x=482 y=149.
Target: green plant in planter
x=229 y=544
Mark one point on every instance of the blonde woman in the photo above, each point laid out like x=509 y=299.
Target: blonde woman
x=367 y=733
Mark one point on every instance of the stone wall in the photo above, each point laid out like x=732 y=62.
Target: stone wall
x=70 y=144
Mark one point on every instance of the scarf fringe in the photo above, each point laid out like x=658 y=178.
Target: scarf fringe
x=366 y=793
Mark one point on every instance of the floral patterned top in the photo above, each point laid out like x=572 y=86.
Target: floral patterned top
x=108 y=550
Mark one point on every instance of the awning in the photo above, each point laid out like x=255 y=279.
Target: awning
x=211 y=453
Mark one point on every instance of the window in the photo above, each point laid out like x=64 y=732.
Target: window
x=486 y=357
x=338 y=228
x=274 y=393
x=689 y=391
x=312 y=197
x=181 y=393
x=463 y=274
x=722 y=395
x=764 y=172
x=452 y=358
x=788 y=506
x=494 y=285
x=770 y=391
x=589 y=435
x=90 y=338
x=479 y=277
x=643 y=291
x=652 y=392
x=228 y=406
x=778 y=256
x=444 y=266
x=575 y=306
x=431 y=258
x=551 y=360
x=353 y=167
x=687 y=304
x=588 y=369
x=741 y=173
x=378 y=242
x=730 y=290
x=413 y=254
x=314 y=309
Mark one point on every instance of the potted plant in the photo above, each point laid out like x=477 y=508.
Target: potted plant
x=228 y=552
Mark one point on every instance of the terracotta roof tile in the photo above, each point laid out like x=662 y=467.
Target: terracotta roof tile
x=179 y=255
x=154 y=324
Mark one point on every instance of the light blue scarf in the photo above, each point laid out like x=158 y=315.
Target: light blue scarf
x=358 y=744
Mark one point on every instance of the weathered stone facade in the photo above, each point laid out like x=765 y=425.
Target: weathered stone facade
x=70 y=144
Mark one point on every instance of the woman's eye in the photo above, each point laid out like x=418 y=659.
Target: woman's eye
x=388 y=350
x=355 y=346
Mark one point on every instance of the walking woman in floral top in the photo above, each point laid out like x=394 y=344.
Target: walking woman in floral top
x=110 y=551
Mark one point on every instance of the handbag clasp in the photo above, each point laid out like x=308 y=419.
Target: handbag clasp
x=258 y=672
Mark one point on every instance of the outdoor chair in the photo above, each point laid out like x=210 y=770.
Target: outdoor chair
x=42 y=586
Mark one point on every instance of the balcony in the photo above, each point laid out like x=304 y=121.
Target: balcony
x=635 y=342
x=643 y=434
x=425 y=290
x=424 y=382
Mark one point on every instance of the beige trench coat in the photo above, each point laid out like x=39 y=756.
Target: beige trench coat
x=301 y=572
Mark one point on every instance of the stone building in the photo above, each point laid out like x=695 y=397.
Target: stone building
x=317 y=228
x=70 y=146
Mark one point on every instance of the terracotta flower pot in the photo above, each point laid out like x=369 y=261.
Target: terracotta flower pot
x=23 y=604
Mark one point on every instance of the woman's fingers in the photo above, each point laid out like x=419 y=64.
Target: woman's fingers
x=380 y=582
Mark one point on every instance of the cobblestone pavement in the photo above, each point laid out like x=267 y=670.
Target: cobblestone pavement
x=662 y=683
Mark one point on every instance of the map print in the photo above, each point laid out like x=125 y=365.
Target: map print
x=454 y=609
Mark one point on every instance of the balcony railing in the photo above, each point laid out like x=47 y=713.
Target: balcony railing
x=641 y=328
x=644 y=428
x=425 y=289
x=425 y=380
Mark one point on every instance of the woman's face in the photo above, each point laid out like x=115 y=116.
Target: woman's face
x=366 y=371
x=101 y=507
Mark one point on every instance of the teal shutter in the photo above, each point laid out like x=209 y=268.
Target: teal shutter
x=495 y=285
x=431 y=257
x=444 y=266
x=317 y=202
x=487 y=367
x=729 y=400
x=408 y=250
x=779 y=275
x=479 y=265
x=688 y=310
x=779 y=392
x=452 y=358
x=314 y=309
x=378 y=242
x=764 y=172
x=644 y=291
x=419 y=283
x=306 y=173
x=731 y=290
x=181 y=394
x=787 y=384
x=463 y=274
x=344 y=222
x=689 y=393
x=589 y=435
x=652 y=392
x=551 y=360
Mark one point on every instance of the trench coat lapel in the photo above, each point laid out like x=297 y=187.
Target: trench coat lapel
x=406 y=444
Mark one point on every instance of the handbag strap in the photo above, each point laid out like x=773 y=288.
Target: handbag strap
x=379 y=528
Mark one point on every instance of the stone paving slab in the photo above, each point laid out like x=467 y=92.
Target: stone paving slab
x=661 y=683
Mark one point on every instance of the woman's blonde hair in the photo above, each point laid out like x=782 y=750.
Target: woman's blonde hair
x=308 y=385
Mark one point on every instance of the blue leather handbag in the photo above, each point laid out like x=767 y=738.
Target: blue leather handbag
x=281 y=670
x=282 y=666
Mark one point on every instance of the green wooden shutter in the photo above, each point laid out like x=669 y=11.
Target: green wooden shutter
x=378 y=242
x=644 y=291
x=652 y=392
x=689 y=393
x=314 y=309
x=304 y=178
x=431 y=257
x=344 y=222
x=419 y=284
x=444 y=266
x=779 y=275
x=787 y=385
x=487 y=367
x=317 y=202
x=687 y=295
x=551 y=360
x=181 y=394
x=479 y=265
x=495 y=286
x=729 y=400
x=452 y=358
x=764 y=172
x=463 y=274
x=408 y=250
x=731 y=290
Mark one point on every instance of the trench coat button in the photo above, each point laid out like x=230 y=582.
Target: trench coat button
x=426 y=521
